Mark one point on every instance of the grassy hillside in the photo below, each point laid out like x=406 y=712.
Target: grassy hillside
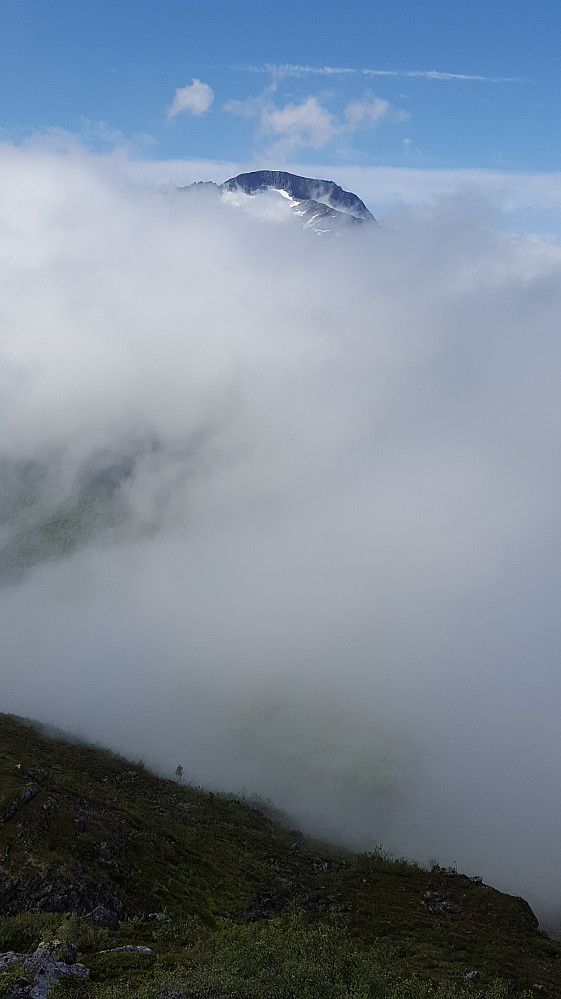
x=253 y=908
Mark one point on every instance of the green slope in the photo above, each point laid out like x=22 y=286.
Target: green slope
x=80 y=827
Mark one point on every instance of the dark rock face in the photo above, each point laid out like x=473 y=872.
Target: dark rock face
x=14 y=806
x=285 y=892
x=21 y=987
x=58 y=891
x=325 y=192
x=103 y=916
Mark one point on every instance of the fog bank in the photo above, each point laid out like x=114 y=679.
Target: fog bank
x=284 y=510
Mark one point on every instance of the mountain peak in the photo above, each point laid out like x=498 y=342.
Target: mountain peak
x=325 y=192
x=319 y=205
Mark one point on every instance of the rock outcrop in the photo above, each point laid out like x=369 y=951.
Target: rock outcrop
x=52 y=961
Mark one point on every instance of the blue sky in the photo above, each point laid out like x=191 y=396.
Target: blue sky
x=443 y=85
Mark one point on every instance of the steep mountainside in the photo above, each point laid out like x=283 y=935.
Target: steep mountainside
x=82 y=828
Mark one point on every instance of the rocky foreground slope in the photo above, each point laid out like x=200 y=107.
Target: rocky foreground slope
x=98 y=851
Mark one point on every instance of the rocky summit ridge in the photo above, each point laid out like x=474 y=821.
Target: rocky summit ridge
x=320 y=205
x=301 y=189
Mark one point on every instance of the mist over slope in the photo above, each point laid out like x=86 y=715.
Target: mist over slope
x=285 y=511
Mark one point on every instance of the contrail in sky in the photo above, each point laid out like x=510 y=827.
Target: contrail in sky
x=289 y=69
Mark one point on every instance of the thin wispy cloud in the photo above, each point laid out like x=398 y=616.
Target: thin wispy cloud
x=99 y=135
x=290 y=69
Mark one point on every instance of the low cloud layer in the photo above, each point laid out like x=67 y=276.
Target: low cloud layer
x=284 y=510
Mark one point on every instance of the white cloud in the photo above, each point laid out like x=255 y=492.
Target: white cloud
x=305 y=124
x=308 y=124
x=295 y=126
x=196 y=98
